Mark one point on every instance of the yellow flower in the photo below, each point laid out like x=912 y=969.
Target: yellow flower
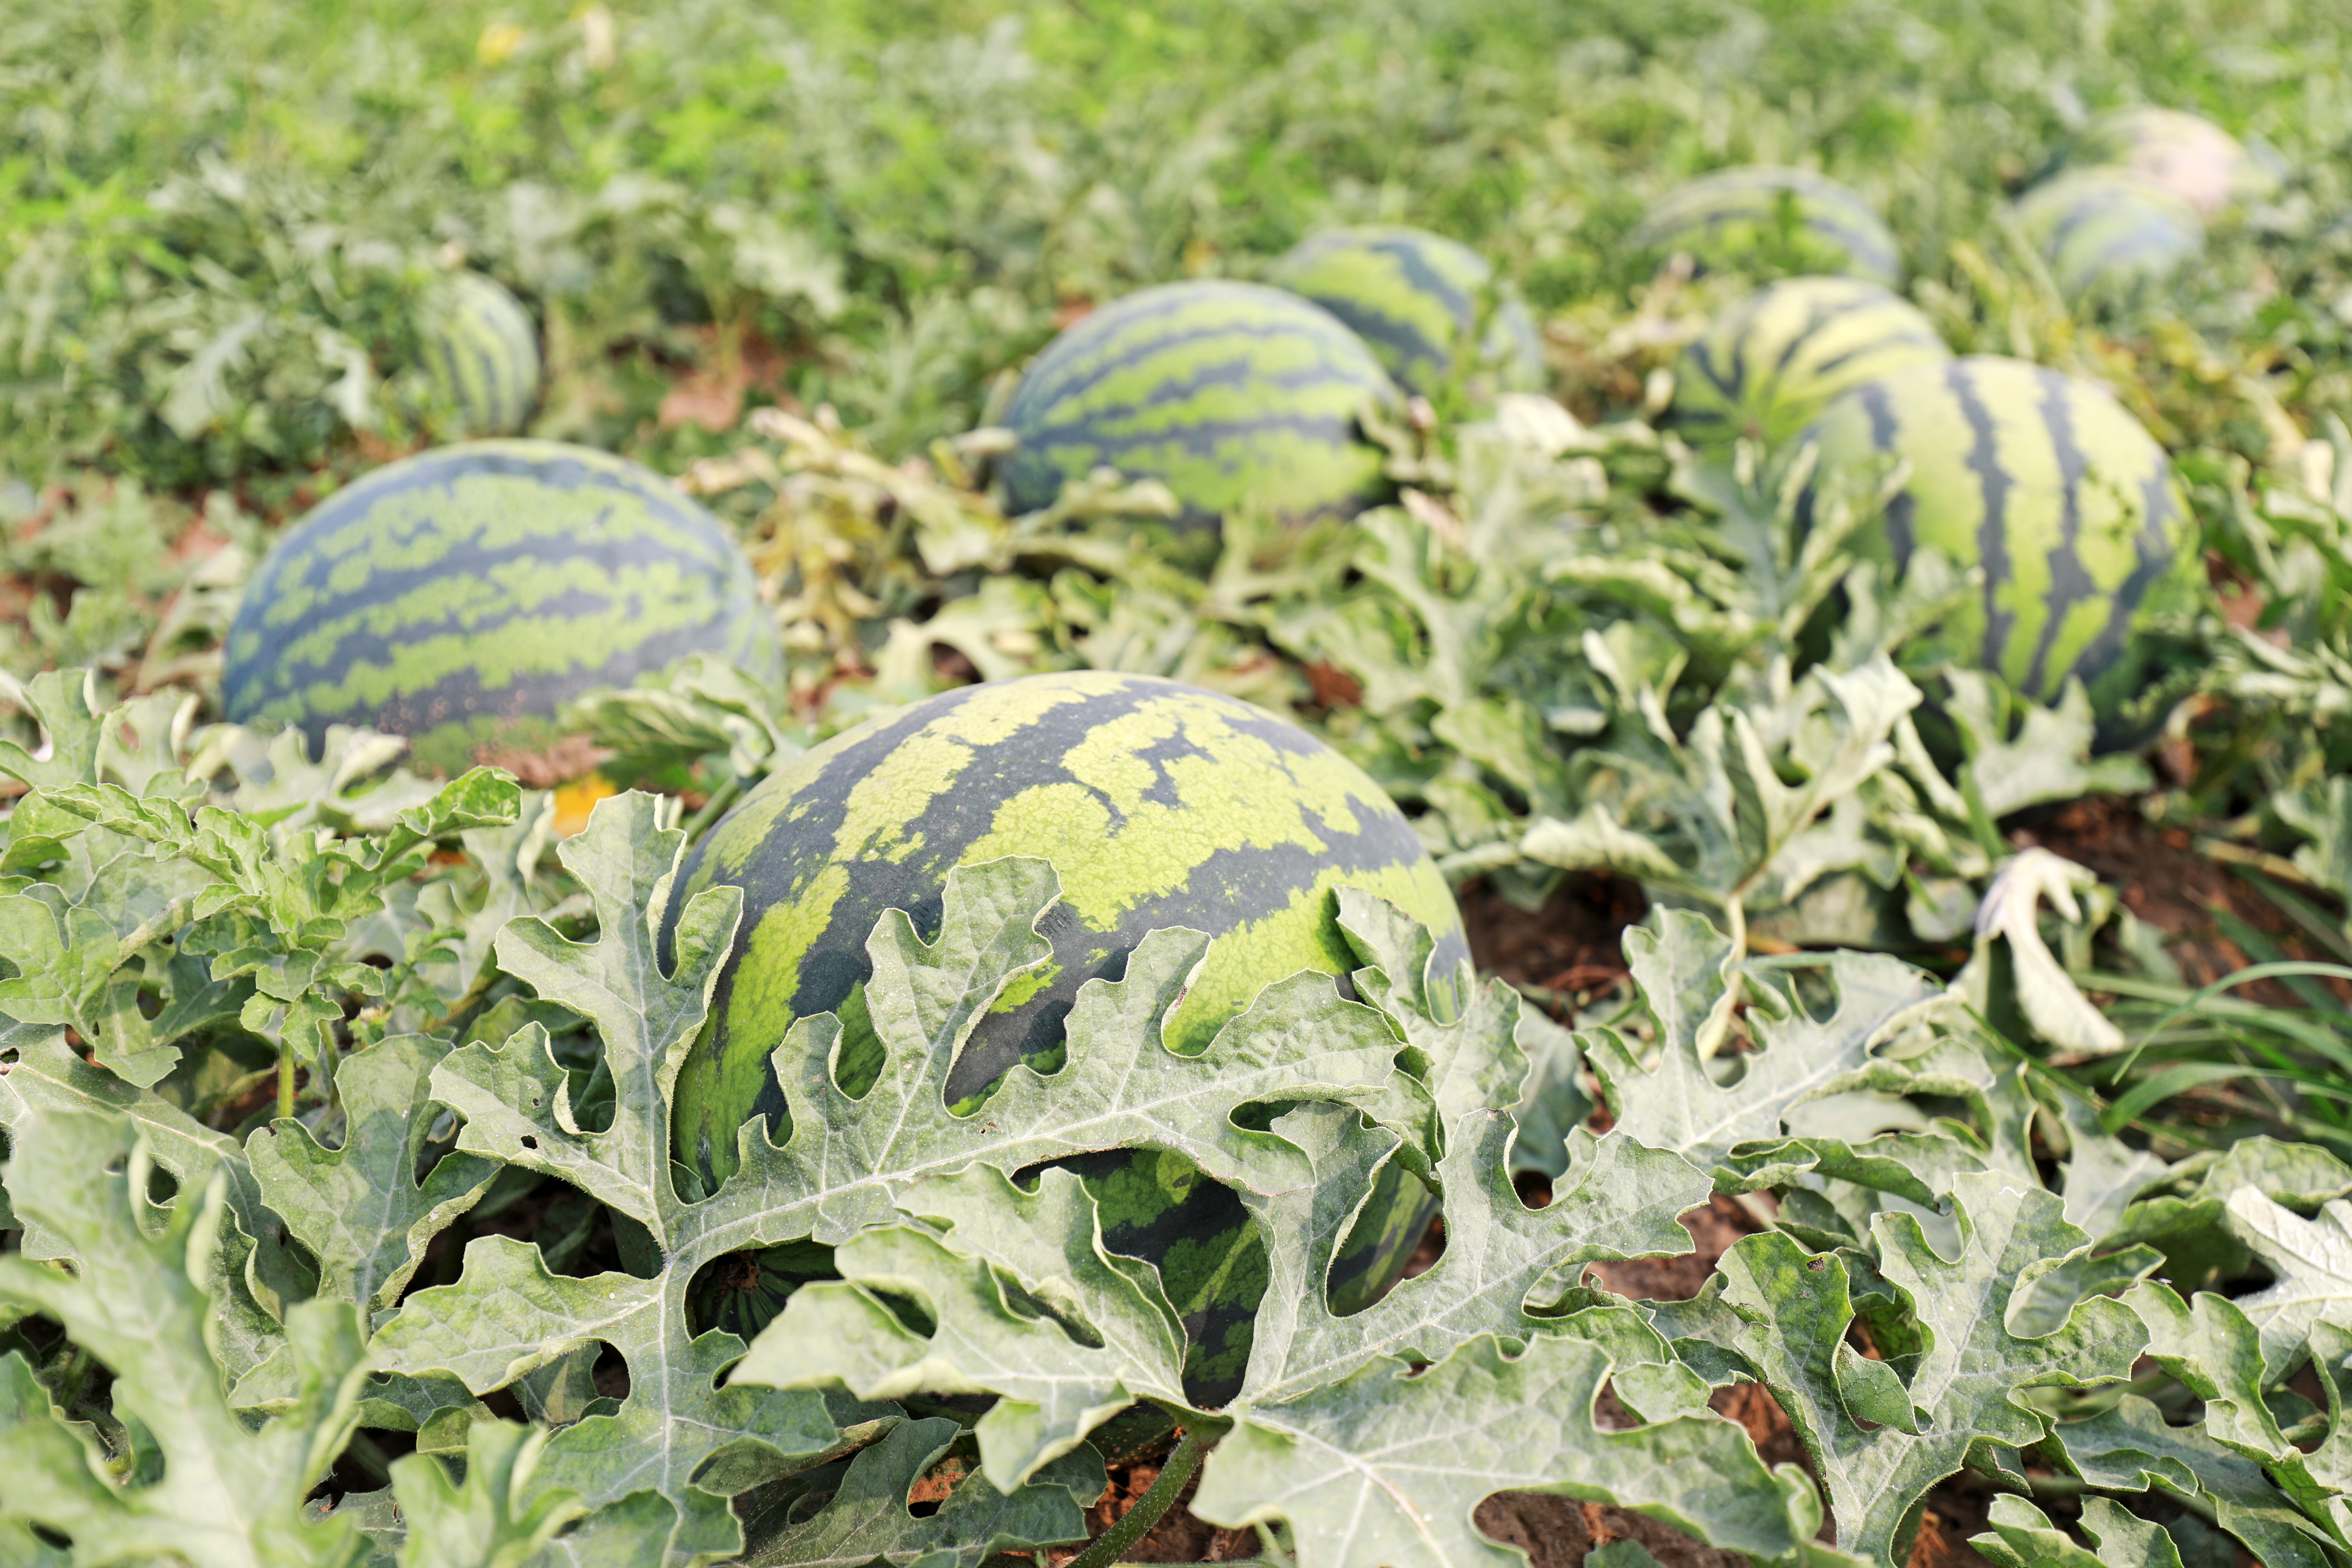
x=575 y=800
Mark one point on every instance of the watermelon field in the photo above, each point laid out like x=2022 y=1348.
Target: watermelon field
x=1018 y=784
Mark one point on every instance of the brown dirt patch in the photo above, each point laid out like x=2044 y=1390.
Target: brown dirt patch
x=1713 y=1230
x=1954 y=1514
x=1556 y=1533
x=1571 y=949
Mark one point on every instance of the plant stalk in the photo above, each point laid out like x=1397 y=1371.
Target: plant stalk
x=720 y=799
x=1156 y=1500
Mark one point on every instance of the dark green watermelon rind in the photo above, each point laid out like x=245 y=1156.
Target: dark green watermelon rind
x=483 y=352
x=1733 y=393
x=2106 y=229
x=1230 y=393
x=1706 y=217
x=1413 y=297
x=385 y=608
x=1962 y=415
x=1211 y=1260
x=726 y=1079
x=1420 y=343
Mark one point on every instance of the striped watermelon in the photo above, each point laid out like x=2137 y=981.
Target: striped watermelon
x=1415 y=299
x=1229 y=392
x=482 y=351
x=1768 y=367
x=462 y=597
x=1160 y=804
x=1772 y=222
x=2048 y=484
x=2186 y=154
x=2106 y=231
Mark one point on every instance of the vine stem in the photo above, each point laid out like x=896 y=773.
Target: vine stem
x=720 y=799
x=285 y=1079
x=1156 y=1500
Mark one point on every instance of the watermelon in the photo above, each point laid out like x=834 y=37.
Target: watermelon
x=2186 y=154
x=2106 y=231
x=1415 y=299
x=482 y=352
x=1228 y=393
x=1160 y=804
x=1772 y=221
x=463 y=596
x=2048 y=484
x=1766 y=368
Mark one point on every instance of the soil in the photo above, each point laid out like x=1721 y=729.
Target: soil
x=1564 y=955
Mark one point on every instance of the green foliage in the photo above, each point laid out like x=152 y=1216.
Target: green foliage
x=189 y=1479
x=257 y=1299
x=334 y=1103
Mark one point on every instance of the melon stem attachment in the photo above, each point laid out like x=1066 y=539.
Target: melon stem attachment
x=1156 y=1500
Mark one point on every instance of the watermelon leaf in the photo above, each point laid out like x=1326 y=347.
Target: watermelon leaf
x=2050 y=757
x=1961 y=1365
x=704 y=707
x=840 y=1161
x=987 y=1287
x=508 y=1315
x=1684 y=971
x=361 y=1209
x=2221 y=1354
x=275 y=782
x=482 y=1521
x=2312 y=1262
x=1720 y=825
x=2022 y=1537
x=1502 y=1263
x=2047 y=995
x=868 y=1521
x=202 y=1488
x=250 y=1273
x=1077 y=1335
x=2131 y=1448
x=1386 y=1465
x=273 y=906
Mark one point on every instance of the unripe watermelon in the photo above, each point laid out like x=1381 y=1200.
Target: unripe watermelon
x=2046 y=482
x=1768 y=367
x=1160 y=805
x=2109 y=230
x=1229 y=392
x=1772 y=222
x=2186 y=154
x=483 y=353
x=463 y=596
x=1414 y=298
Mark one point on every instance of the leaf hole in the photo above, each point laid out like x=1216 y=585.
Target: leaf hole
x=530 y=1143
x=934 y=1486
x=743 y=1292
